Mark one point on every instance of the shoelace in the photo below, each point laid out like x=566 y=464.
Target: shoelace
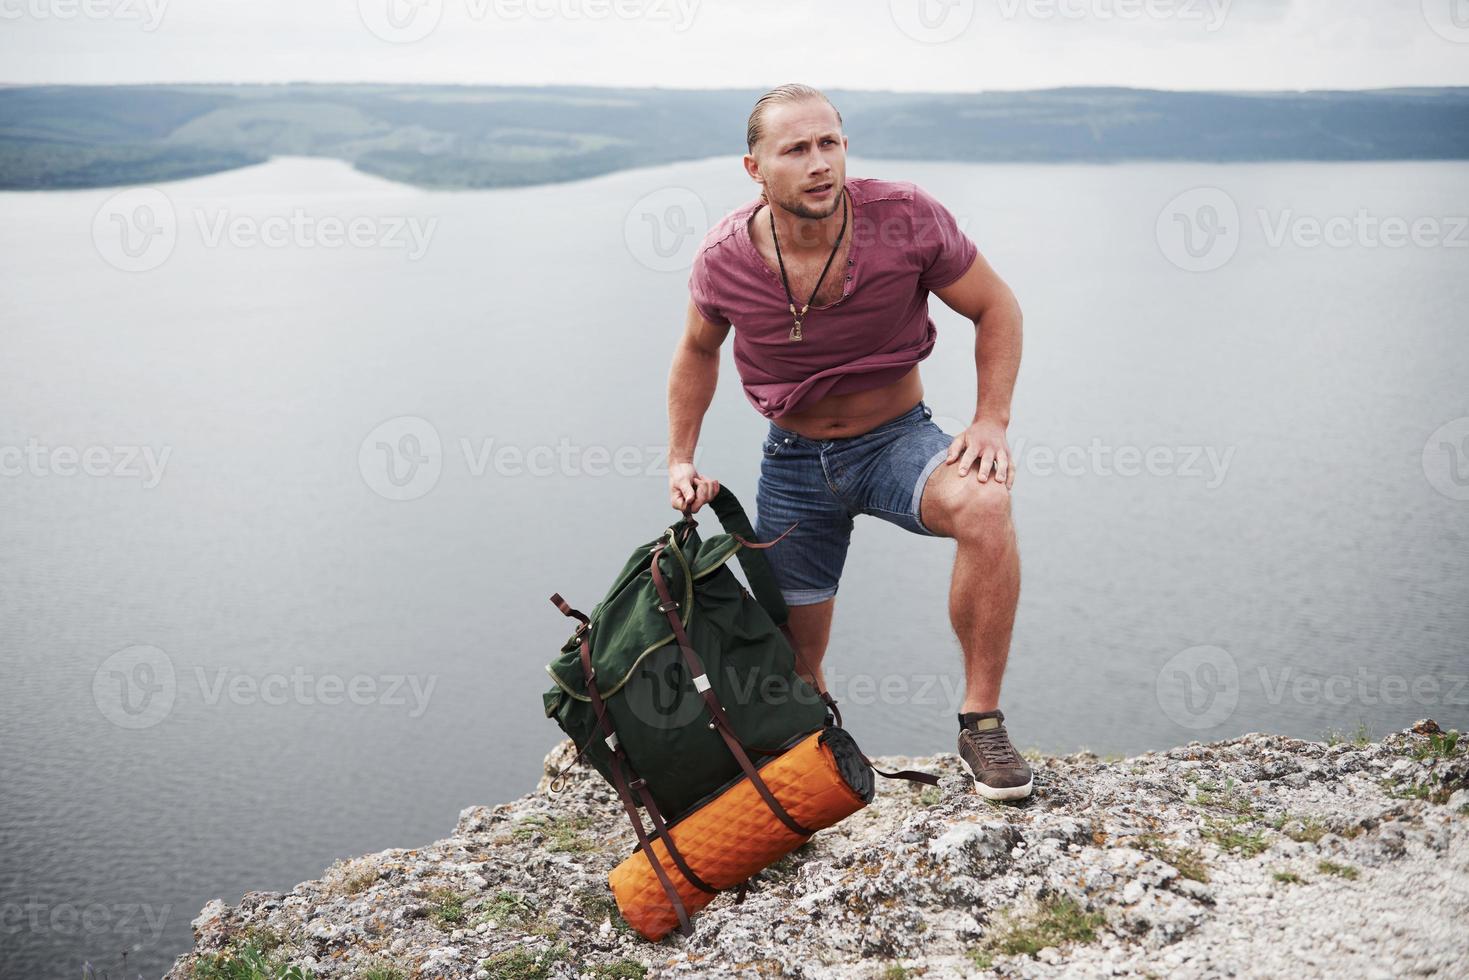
x=994 y=746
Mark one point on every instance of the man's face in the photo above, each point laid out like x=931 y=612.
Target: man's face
x=803 y=158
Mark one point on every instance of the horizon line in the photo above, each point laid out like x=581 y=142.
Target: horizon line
x=714 y=89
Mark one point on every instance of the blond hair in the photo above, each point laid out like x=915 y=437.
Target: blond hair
x=790 y=92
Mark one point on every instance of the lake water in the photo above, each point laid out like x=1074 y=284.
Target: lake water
x=251 y=622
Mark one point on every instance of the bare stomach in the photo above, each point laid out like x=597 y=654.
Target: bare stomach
x=841 y=416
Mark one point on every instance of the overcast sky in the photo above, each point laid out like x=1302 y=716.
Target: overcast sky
x=930 y=45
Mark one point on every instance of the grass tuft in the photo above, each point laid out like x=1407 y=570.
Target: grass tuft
x=248 y=960
x=1360 y=736
x=1339 y=870
x=380 y=971
x=1231 y=836
x=1304 y=830
x=1189 y=862
x=623 y=969
x=1440 y=745
x=446 y=907
x=523 y=964
x=1054 y=921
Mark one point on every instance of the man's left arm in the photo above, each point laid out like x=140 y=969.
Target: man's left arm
x=982 y=296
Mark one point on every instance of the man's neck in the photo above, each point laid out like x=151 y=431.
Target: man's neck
x=799 y=235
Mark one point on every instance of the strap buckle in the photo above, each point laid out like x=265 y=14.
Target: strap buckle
x=667 y=607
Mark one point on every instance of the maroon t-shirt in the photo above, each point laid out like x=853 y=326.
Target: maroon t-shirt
x=904 y=244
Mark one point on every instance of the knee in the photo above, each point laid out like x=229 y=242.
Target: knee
x=982 y=512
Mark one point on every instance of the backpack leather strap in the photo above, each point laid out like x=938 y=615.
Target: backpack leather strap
x=719 y=722
x=625 y=795
x=912 y=775
x=757 y=570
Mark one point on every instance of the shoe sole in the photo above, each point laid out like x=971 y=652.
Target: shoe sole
x=1003 y=793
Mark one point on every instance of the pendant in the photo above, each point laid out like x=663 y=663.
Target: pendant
x=796 y=331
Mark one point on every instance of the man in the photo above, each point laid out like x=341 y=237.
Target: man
x=826 y=279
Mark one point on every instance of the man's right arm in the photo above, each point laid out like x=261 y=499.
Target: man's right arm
x=692 y=379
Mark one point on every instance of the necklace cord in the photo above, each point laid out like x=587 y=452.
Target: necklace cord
x=834 y=249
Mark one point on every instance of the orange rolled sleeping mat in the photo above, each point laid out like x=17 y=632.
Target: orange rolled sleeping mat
x=820 y=781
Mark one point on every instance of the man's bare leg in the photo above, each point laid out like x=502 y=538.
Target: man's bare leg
x=985 y=587
x=811 y=626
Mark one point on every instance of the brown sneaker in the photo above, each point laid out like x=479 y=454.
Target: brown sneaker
x=999 y=771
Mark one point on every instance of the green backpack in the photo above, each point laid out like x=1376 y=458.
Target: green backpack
x=679 y=676
x=692 y=674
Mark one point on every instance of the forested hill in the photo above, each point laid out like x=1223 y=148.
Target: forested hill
x=484 y=136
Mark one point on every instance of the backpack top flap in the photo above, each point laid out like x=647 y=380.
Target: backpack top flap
x=627 y=625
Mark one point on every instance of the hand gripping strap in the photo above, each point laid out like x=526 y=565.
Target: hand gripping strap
x=757 y=570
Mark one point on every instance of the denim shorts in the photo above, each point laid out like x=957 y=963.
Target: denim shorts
x=824 y=483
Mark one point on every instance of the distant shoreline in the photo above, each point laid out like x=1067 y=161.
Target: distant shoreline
x=457 y=137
